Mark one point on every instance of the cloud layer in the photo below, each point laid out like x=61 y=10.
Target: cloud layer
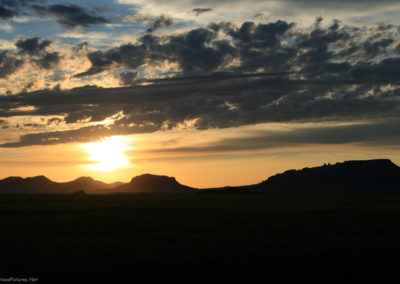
x=71 y=16
x=221 y=75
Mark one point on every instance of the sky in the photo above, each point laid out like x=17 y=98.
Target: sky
x=214 y=93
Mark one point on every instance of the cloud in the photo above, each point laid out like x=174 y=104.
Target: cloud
x=6 y=27
x=32 y=45
x=374 y=48
x=84 y=134
x=381 y=133
x=31 y=50
x=291 y=10
x=272 y=46
x=217 y=101
x=6 y=45
x=354 y=4
x=195 y=51
x=8 y=64
x=263 y=14
x=199 y=11
x=71 y=16
x=6 y=13
x=154 y=22
x=228 y=75
x=261 y=35
x=49 y=60
x=12 y=8
x=132 y=56
x=227 y=3
x=127 y=77
x=161 y=22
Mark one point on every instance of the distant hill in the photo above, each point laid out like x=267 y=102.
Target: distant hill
x=42 y=185
x=153 y=183
x=88 y=184
x=25 y=185
x=368 y=176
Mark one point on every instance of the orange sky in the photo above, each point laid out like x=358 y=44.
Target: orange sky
x=150 y=153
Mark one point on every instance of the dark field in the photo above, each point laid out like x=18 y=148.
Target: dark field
x=206 y=238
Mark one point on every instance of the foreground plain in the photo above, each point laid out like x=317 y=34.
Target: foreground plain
x=204 y=238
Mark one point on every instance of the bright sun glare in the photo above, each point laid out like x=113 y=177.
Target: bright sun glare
x=108 y=154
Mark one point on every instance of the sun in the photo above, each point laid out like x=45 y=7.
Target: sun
x=108 y=154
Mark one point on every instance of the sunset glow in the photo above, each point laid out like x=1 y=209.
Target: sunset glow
x=214 y=93
x=108 y=155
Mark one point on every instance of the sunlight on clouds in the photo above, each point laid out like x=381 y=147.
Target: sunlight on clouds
x=7 y=45
x=94 y=38
x=23 y=108
x=108 y=154
x=302 y=12
x=6 y=27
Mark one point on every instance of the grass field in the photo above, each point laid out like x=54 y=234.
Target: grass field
x=204 y=238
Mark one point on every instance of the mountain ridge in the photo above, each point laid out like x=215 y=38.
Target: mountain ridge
x=139 y=184
x=353 y=176
x=154 y=183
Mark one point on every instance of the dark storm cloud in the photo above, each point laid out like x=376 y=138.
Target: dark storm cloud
x=261 y=35
x=198 y=51
x=127 y=77
x=259 y=46
x=18 y=3
x=153 y=22
x=129 y=55
x=71 y=16
x=161 y=22
x=30 y=50
x=6 y=13
x=199 y=11
x=377 y=47
x=195 y=51
x=258 y=73
x=8 y=64
x=49 y=60
x=33 y=45
x=11 y=8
